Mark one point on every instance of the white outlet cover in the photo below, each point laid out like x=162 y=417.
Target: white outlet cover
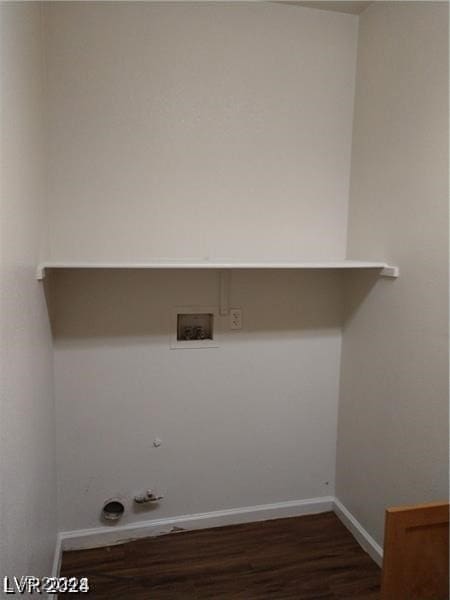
x=235 y=318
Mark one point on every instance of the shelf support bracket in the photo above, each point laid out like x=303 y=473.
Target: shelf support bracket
x=40 y=272
x=224 y=292
x=389 y=271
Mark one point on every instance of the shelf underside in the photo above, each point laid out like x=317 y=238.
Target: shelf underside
x=385 y=269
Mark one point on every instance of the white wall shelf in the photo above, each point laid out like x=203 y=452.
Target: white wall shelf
x=385 y=269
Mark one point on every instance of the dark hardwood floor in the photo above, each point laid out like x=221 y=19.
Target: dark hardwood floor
x=306 y=558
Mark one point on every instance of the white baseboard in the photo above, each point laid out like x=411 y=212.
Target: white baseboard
x=57 y=557
x=107 y=536
x=364 y=539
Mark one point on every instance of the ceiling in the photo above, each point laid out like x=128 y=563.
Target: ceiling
x=354 y=7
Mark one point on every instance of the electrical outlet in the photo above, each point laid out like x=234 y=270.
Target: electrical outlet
x=235 y=318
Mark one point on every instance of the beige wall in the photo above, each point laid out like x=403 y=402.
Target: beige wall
x=188 y=130
x=250 y=422
x=196 y=130
x=27 y=437
x=393 y=415
x=223 y=131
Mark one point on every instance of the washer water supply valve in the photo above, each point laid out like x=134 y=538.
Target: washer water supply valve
x=148 y=496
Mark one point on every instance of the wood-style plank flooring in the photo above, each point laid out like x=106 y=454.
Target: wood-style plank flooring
x=303 y=558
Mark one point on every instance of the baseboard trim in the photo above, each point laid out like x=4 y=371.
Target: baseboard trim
x=57 y=556
x=56 y=566
x=108 y=536
x=364 y=539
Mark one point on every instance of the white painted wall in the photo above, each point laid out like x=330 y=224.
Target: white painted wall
x=251 y=422
x=27 y=426
x=393 y=417
x=196 y=130
x=222 y=131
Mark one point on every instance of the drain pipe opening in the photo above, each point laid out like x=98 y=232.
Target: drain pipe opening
x=112 y=510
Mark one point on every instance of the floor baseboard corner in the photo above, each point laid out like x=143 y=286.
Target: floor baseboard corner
x=361 y=535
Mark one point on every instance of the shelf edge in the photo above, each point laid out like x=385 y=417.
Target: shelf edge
x=386 y=270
